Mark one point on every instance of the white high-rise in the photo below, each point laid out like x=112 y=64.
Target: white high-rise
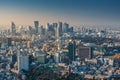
x=59 y=30
x=23 y=63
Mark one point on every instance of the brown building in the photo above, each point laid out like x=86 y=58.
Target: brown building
x=84 y=52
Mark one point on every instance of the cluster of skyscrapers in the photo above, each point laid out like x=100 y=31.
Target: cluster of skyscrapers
x=29 y=52
x=55 y=29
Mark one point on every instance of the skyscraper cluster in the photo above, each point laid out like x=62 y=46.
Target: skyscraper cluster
x=36 y=51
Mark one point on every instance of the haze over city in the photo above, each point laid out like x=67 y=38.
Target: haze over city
x=75 y=12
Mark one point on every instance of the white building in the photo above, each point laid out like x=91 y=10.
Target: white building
x=57 y=57
x=23 y=63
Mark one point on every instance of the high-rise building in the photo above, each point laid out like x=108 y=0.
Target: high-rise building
x=50 y=29
x=60 y=27
x=13 y=28
x=59 y=30
x=47 y=26
x=41 y=30
x=23 y=63
x=36 y=24
x=65 y=27
x=71 y=51
x=55 y=28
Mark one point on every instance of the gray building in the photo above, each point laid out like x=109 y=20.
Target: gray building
x=36 y=24
x=84 y=52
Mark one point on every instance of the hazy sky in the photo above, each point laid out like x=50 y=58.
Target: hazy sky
x=75 y=12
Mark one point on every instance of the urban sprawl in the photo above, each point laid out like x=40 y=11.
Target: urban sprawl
x=58 y=51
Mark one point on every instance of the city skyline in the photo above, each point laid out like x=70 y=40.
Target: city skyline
x=59 y=40
x=75 y=12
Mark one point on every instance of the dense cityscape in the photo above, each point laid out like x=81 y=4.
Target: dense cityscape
x=58 y=51
x=59 y=39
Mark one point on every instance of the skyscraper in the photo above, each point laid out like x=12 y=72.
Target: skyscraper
x=60 y=27
x=65 y=27
x=47 y=26
x=59 y=30
x=36 y=24
x=71 y=50
x=13 y=28
x=55 y=28
x=41 y=30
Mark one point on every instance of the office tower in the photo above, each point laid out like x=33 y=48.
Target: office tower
x=36 y=24
x=71 y=50
x=50 y=29
x=47 y=26
x=55 y=28
x=23 y=63
x=59 y=30
x=60 y=27
x=41 y=30
x=65 y=27
x=84 y=52
x=31 y=30
x=13 y=28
